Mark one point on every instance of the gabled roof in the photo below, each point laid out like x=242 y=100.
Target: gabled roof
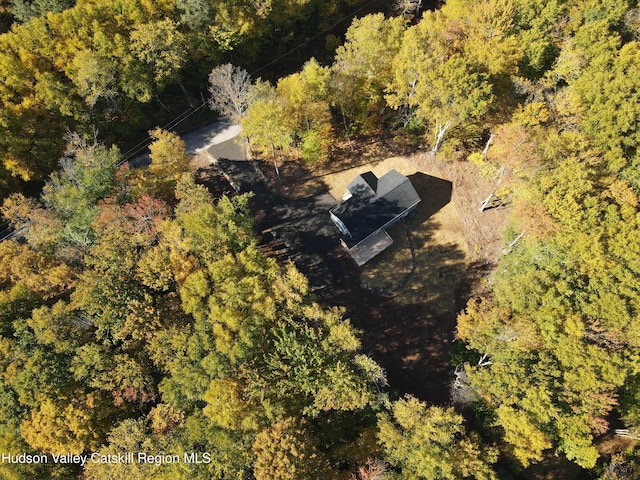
x=366 y=181
x=374 y=204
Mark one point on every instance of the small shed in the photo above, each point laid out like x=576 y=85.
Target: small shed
x=369 y=207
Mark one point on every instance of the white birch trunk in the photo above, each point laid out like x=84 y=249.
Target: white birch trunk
x=441 y=129
x=501 y=175
x=512 y=244
x=626 y=433
x=486 y=147
x=484 y=361
x=484 y=204
x=275 y=160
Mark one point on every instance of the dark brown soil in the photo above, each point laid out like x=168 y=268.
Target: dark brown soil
x=407 y=340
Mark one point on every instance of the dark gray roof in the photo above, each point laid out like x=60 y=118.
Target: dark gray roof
x=375 y=203
x=367 y=180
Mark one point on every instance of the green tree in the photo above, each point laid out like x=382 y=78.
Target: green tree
x=535 y=24
x=433 y=78
x=288 y=451
x=24 y=10
x=135 y=435
x=61 y=327
x=363 y=67
x=40 y=274
x=266 y=125
x=95 y=78
x=61 y=427
x=609 y=90
x=621 y=467
x=169 y=160
x=196 y=14
x=160 y=45
x=257 y=350
x=430 y=443
x=87 y=175
x=306 y=104
x=553 y=341
x=488 y=31
x=316 y=366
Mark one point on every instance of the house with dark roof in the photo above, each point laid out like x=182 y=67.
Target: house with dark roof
x=369 y=207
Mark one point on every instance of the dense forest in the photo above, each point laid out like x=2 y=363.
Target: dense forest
x=123 y=67
x=137 y=313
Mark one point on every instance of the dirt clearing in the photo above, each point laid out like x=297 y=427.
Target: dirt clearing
x=404 y=301
x=441 y=239
x=407 y=298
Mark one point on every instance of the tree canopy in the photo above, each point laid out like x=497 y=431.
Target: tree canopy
x=137 y=312
x=163 y=319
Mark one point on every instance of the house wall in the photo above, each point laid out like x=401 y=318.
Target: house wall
x=341 y=226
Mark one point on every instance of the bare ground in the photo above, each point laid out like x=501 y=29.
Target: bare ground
x=405 y=308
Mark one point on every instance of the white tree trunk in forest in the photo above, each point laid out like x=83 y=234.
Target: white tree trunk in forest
x=512 y=244
x=501 y=175
x=441 y=129
x=484 y=361
x=626 y=433
x=346 y=129
x=486 y=147
x=275 y=159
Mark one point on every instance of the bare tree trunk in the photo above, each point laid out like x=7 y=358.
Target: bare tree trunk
x=484 y=361
x=275 y=160
x=512 y=244
x=501 y=174
x=115 y=105
x=346 y=130
x=484 y=204
x=190 y=100
x=486 y=147
x=441 y=129
x=626 y=433
x=162 y=104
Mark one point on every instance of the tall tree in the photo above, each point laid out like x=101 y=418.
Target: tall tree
x=95 y=77
x=305 y=96
x=196 y=14
x=231 y=91
x=266 y=125
x=87 y=175
x=430 y=443
x=434 y=77
x=160 y=45
x=24 y=10
x=288 y=451
x=169 y=160
x=363 y=67
x=555 y=341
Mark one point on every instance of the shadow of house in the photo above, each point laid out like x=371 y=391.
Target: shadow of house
x=434 y=192
x=369 y=207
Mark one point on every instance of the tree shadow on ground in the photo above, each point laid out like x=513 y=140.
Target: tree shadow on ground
x=410 y=340
x=410 y=332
